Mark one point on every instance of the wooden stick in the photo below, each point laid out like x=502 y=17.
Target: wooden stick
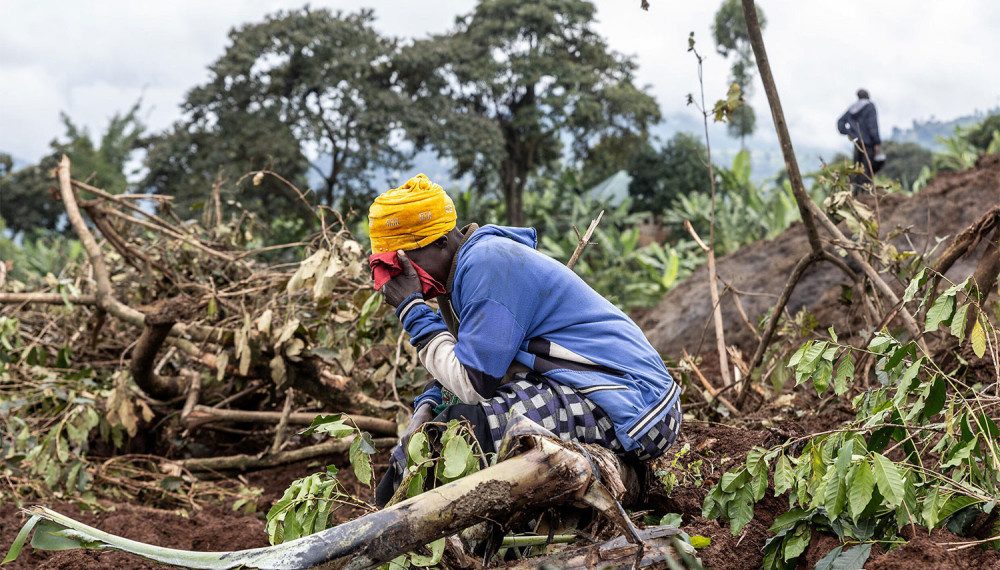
x=244 y=461
x=584 y=241
x=713 y=392
x=279 y=431
x=204 y=414
x=46 y=298
x=713 y=291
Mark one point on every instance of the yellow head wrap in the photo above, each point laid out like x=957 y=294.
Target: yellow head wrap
x=411 y=216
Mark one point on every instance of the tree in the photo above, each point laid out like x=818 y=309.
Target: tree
x=983 y=133
x=26 y=203
x=658 y=177
x=904 y=161
x=513 y=82
x=300 y=82
x=731 y=39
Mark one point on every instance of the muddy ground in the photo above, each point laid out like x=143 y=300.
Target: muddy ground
x=948 y=205
x=718 y=446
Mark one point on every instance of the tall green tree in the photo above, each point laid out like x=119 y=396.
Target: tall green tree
x=26 y=203
x=732 y=40
x=502 y=93
x=299 y=83
x=660 y=176
x=905 y=161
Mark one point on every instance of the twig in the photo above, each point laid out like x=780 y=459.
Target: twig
x=46 y=298
x=194 y=392
x=584 y=241
x=713 y=392
x=244 y=461
x=279 y=431
x=713 y=290
x=204 y=414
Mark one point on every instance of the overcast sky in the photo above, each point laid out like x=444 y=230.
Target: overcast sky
x=919 y=58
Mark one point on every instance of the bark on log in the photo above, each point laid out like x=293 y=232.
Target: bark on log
x=156 y=330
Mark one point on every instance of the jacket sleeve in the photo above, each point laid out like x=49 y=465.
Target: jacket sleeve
x=471 y=368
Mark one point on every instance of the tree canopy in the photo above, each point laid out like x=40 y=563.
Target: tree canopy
x=732 y=40
x=27 y=203
x=660 y=176
x=300 y=83
x=513 y=84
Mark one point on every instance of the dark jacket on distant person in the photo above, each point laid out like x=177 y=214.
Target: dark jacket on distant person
x=861 y=122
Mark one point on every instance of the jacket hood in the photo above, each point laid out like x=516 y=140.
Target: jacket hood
x=525 y=236
x=858 y=105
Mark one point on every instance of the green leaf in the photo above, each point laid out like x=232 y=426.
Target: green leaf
x=978 y=339
x=733 y=480
x=845 y=372
x=362 y=448
x=417 y=449
x=796 y=542
x=889 y=480
x=861 y=487
x=671 y=519
x=936 y=397
x=456 y=456
x=22 y=536
x=913 y=286
x=740 y=511
x=698 y=541
x=853 y=558
x=437 y=550
x=784 y=476
x=834 y=494
x=954 y=504
x=959 y=322
x=822 y=376
x=939 y=312
x=787 y=520
x=333 y=425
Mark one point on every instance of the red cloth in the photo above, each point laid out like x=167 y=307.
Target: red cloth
x=386 y=265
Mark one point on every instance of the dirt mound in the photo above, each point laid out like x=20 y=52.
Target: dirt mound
x=210 y=529
x=682 y=320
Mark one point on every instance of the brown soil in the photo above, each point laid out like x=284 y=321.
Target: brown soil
x=948 y=205
x=214 y=528
x=210 y=529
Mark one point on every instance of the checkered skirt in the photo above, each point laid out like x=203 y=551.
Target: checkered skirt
x=571 y=416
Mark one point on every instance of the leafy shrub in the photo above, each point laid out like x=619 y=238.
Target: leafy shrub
x=846 y=480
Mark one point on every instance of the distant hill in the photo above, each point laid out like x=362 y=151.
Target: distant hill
x=925 y=133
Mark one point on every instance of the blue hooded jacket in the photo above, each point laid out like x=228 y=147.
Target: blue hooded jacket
x=517 y=305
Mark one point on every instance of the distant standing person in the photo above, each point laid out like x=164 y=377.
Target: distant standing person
x=860 y=124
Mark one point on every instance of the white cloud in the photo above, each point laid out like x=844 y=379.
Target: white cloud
x=92 y=58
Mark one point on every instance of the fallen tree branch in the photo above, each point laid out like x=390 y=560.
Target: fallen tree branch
x=46 y=299
x=155 y=331
x=201 y=415
x=246 y=461
x=105 y=296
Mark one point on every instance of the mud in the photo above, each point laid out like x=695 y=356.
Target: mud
x=949 y=204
